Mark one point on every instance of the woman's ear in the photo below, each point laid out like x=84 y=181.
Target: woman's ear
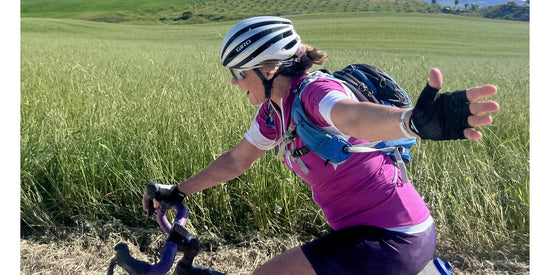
x=268 y=74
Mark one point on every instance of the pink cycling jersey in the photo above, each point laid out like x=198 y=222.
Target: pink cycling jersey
x=359 y=191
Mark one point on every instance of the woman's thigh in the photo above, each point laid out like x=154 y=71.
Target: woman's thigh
x=293 y=261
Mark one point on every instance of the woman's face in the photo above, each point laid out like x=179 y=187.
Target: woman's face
x=253 y=86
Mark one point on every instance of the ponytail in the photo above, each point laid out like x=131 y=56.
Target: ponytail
x=305 y=58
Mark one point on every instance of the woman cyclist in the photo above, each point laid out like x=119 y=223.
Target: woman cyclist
x=380 y=224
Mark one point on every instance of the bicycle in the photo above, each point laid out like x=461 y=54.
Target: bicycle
x=179 y=239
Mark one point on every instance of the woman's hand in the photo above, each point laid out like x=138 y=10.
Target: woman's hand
x=453 y=115
x=159 y=195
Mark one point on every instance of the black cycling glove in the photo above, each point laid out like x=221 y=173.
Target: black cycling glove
x=440 y=116
x=169 y=193
x=166 y=194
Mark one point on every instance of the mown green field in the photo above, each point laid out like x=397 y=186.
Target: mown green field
x=106 y=108
x=197 y=11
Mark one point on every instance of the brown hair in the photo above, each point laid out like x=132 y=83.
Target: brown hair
x=312 y=56
x=304 y=59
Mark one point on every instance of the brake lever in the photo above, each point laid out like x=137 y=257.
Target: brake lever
x=150 y=193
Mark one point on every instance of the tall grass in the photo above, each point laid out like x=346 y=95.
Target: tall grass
x=107 y=108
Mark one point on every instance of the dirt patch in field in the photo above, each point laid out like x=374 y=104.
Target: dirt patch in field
x=89 y=253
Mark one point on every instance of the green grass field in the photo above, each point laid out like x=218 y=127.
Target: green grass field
x=106 y=108
x=196 y=11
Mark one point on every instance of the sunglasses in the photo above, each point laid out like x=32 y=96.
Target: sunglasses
x=237 y=74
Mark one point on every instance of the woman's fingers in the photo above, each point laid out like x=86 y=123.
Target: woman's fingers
x=478 y=110
x=472 y=134
x=481 y=108
x=436 y=79
x=476 y=121
x=480 y=92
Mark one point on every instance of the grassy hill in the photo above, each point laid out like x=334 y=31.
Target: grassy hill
x=197 y=11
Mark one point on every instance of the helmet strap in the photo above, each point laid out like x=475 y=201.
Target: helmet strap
x=268 y=83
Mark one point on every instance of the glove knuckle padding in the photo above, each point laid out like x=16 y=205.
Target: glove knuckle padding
x=440 y=116
x=171 y=195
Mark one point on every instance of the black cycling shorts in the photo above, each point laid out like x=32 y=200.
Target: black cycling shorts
x=371 y=250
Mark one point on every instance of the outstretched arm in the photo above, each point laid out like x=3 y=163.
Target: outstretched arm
x=378 y=122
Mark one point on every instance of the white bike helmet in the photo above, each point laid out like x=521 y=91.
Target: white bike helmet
x=258 y=39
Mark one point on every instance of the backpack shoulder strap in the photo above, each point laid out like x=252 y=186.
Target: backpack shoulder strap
x=311 y=77
x=312 y=135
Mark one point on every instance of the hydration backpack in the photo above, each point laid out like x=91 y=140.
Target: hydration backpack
x=368 y=83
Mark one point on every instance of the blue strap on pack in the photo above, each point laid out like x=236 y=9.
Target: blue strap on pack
x=328 y=147
x=368 y=83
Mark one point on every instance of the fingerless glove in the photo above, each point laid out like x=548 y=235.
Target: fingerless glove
x=440 y=116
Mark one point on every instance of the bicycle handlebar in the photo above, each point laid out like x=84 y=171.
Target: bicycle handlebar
x=179 y=239
x=180 y=220
x=133 y=266
x=137 y=267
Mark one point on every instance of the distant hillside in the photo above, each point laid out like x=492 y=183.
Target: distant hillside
x=201 y=11
x=480 y=3
x=196 y=11
x=83 y=9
